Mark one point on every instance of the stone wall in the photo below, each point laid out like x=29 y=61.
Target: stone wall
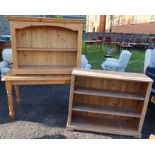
x=4 y=25
x=115 y=36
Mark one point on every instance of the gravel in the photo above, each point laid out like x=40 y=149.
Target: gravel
x=43 y=115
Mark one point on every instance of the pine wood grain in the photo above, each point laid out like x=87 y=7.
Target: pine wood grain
x=45 y=41
x=109 y=102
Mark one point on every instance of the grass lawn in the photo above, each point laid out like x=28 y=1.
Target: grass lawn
x=96 y=57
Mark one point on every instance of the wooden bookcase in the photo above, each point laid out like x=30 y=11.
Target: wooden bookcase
x=45 y=45
x=108 y=102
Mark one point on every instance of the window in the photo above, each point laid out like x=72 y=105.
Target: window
x=135 y=19
x=114 y=21
x=153 y=18
x=120 y=20
x=95 y=18
x=109 y=20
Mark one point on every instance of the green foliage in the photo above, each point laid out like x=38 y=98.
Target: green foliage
x=54 y=16
x=58 y=16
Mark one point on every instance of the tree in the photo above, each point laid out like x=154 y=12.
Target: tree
x=111 y=22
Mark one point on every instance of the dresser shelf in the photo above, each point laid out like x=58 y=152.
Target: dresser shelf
x=48 y=49
x=45 y=41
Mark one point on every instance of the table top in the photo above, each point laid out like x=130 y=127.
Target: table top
x=126 y=45
x=92 y=41
x=115 y=42
x=130 y=44
x=112 y=75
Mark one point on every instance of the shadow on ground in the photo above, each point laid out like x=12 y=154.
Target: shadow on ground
x=39 y=104
x=53 y=137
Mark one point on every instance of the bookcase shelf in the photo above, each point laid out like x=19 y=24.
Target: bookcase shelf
x=104 y=126
x=109 y=94
x=104 y=109
x=102 y=102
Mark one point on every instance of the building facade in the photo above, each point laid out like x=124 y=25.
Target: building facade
x=95 y=23
x=134 y=24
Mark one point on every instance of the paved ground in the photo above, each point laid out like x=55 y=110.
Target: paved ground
x=43 y=115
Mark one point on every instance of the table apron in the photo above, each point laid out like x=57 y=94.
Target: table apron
x=38 y=82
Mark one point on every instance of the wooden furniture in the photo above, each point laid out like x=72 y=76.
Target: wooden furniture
x=126 y=46
x=107 y=41
x=15 y=80
x=90 y=42
x=117 y=44
x=152 y=136
x=4 y=44
x=108 y=102
x=45 y=45
x=94 y=43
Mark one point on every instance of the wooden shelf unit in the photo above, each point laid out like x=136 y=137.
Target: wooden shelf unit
x=108 y=93
x=41 y=42
x=105 y=109
x=108 y=102
x=48 y=49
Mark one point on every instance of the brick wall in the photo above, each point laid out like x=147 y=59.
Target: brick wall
x=144 y=28
x=141 y=24
x=4 y=25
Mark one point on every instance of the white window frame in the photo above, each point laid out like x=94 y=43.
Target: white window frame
x=153 y=18
x=135 y=19
x=115 y=23
x=120 y=20
x=96 y=19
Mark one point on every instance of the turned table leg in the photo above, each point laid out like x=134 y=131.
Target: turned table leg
x=8 y=87
x=18 y=96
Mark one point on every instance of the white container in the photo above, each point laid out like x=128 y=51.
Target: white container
x=5 y=70
x=3 y=64
x=7 y=55
x=149 y=57
x=84 y=61
x=88 y=66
